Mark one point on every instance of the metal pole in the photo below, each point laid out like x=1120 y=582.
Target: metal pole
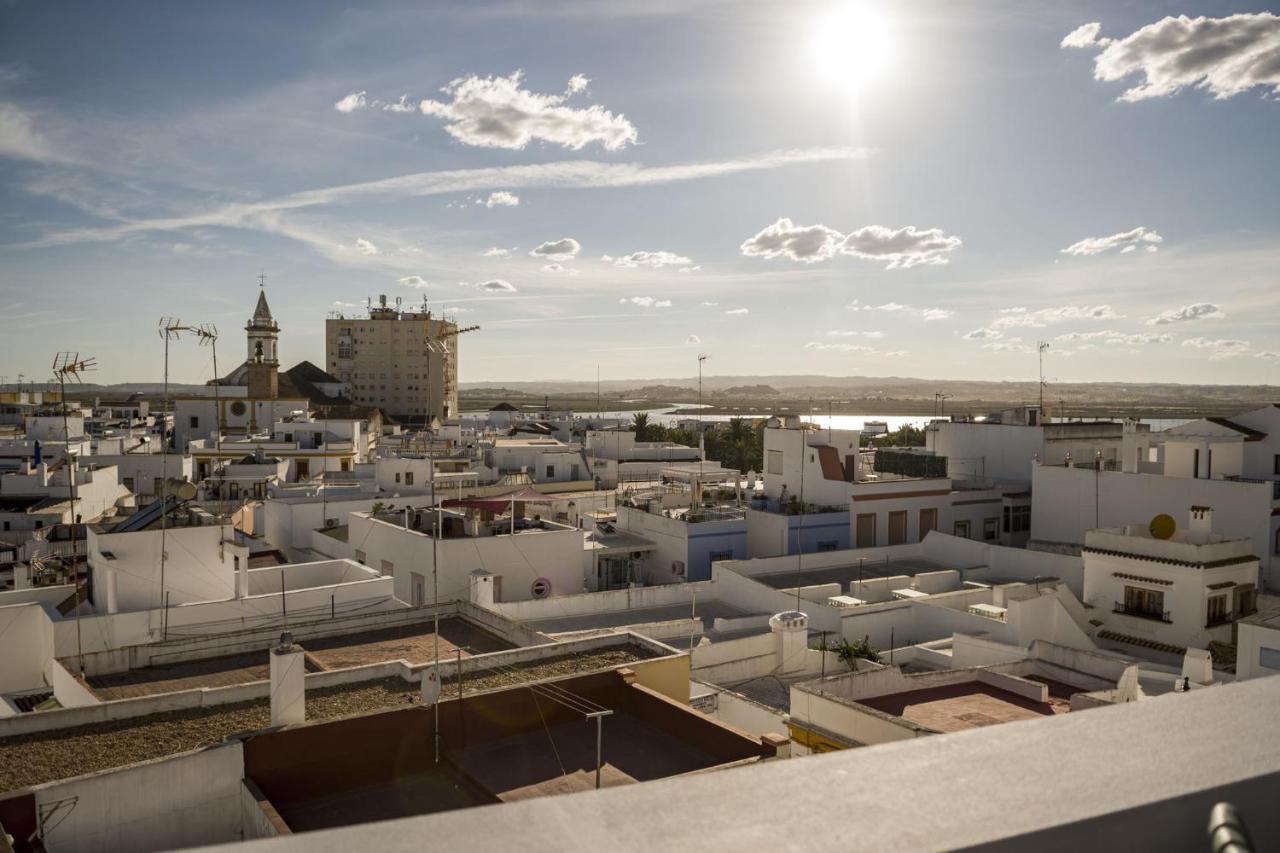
x=599 y=746
x=164 y=475
x=71 y=486
x=284 y=606
x=693 y=617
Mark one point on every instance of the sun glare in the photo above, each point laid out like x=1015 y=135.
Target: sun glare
x=852 y=43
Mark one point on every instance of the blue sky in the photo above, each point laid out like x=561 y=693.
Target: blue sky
x=894 y=188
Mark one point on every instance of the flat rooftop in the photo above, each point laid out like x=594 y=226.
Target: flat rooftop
x=707 y=611
x=414 y=643
x=843 y=574
x=32 y=759
x=972 y=705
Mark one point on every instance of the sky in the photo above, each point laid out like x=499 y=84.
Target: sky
x=902 y=188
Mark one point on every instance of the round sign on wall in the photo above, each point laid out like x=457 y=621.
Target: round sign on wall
x=541 y=588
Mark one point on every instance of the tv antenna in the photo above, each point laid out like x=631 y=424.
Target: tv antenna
x=69 y=365
x=1041 y=346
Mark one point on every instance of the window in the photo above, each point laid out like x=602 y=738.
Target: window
x=1269 y=658
x=1246 y=600
x=1208 y=464
x=1275 y=464
x=6 y=525
x=195 y=422
x=828 y=545
x=990 y=529
x=127 y=482
x=1277 y=544
x=898 y=527
x=39 y=524
x=961 y=529
x=774 y=465
x=360 y=557
x=1017 y=519
x=717 y=556
x=1217 y=611
x=551 y=471
x=397 y=476
x=1195 y=463
x=408 y=478
x=1144 y=602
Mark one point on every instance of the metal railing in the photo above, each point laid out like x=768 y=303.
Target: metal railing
x=1157 y=616
x=1275 y=484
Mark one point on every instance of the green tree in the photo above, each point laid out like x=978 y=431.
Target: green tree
x=640 y=425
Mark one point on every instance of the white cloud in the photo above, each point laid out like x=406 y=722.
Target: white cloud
x=20 y=139
x=495 y=285
x=693 y=339
x=709 y=304
x=400 y=106
x=1125 y=241
x=351 y=103
x=1267 y=354
x=653 y=260
x=1219 y=347
x=413 y=281
x=1012 y=317
x=784 y=239
x=1082 y=36
x=340 y=304
x=851 y=333
x=571 y=174
x=858 y=348
x=1111 y=336
x=903 y=248
x=899 y=249
x=1187 y=313
x=364 y=247
x=564 y=249
x=983 y=334
x=926 y=314
x=1222 y=56
x=1010 y=345
x=694 y=268
x=645 y=302
x=496 y=112
x=738 y=311
x=495 y=252
x=501 y=198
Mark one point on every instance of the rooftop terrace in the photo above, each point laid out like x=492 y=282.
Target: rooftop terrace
x=31 y=759
x=414 y=643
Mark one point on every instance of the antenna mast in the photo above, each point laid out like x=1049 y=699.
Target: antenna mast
x=70 y=364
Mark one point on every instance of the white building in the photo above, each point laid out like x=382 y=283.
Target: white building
x=1258 y=645
x=539 y=559
x=539 y=459
x=616 y=457
x=1185 y=590
x=1004 y=447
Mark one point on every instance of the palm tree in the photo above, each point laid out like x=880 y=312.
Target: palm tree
x=738 y=434
x=640 y=424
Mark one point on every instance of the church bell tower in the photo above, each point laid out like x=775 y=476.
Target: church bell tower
x=263 y=336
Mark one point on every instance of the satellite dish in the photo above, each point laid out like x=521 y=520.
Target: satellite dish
x=1162 y=526
x=181 y=489
x=430 y=686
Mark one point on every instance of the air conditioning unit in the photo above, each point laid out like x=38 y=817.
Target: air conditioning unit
x=330 y=522
x=677 y=568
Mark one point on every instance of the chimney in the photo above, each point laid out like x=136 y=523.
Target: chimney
x=791 y=638
x=288 y=683
x=1197 y=664
x=1201 y=523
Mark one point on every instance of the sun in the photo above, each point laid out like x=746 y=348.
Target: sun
x=852 y=44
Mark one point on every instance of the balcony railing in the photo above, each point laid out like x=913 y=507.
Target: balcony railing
x=1155 y=616
x=1275 y=484
x=1215 y=621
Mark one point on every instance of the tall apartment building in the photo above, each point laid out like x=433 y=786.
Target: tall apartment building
x=405 y=362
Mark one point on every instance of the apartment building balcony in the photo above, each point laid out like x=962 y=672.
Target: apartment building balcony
x=1161 y=616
